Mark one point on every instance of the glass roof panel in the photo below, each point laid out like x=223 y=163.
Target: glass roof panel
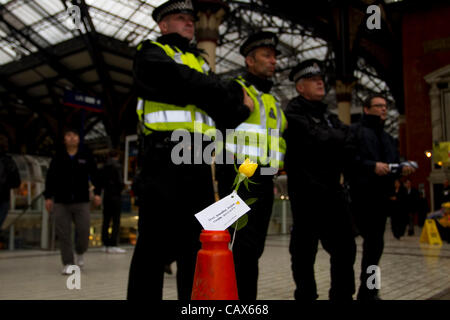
x=4 y=56
x=117 y=8
x=51 y=33
x=27 y=15
x=121 y=34
x=51 y=7
x=130 y=21
x=143 y=18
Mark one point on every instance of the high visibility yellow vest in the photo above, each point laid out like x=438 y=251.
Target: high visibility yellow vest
x=260 y=136
x=159 y=116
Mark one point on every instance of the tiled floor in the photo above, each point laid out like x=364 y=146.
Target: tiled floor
x=409 y=271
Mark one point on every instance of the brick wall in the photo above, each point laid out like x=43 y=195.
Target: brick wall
x=426 y=47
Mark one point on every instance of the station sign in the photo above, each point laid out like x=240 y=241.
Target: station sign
x=82 y=101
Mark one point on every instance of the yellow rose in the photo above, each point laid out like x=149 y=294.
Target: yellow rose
x=248 y=168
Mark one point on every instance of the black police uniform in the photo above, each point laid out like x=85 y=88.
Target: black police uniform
x=318 y=146
x=171 y=194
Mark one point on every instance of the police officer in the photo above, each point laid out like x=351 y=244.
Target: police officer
x=265 y=145
x=176 y=92
x=318 y=146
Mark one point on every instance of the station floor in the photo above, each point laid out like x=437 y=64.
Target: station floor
x=409 y=271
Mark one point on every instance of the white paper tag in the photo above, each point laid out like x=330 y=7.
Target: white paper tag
x=223 y=213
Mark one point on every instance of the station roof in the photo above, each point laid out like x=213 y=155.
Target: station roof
x=45 y=50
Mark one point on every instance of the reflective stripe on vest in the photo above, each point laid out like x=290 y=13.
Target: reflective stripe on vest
x=158 y=116
x=258 y=138
x=168 y=116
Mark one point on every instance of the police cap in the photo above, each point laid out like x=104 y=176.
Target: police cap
x=171 y=7
x=260 y=39
x=306 y=69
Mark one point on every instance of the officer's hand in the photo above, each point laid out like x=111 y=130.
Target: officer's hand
x=97 y=200
x=407 y=170
x=248 y=101
x=49 y=205
x=381 y=168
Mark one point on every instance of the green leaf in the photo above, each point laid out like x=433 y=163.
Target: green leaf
x=236 y=180
x=251 y=201
x=246 y=184
x=235 y=168
x=240 y=177
x=252 y=182
x=242 y=222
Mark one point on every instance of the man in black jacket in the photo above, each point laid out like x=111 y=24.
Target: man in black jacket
x=9 y=178
x=67 y=197
x=318 y=146
x=372 y=185
x=412 y=199
x=111 y=182
x=178 y=97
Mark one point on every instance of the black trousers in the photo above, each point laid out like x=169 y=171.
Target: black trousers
x=249 y=241
x=112 y=208
x=370 y=217
x=399 y=219
x=168 y=229
x=325 y=218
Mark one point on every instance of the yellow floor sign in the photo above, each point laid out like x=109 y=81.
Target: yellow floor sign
x=430 y=233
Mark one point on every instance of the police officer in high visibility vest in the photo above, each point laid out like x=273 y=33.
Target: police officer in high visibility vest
x=177 y=94
x=259 y=138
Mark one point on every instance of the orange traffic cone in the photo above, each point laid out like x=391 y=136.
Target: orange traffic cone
x=214 y=278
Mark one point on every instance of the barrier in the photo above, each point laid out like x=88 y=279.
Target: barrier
x=215 y=277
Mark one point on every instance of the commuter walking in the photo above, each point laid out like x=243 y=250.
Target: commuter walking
x=67 y=197
x=111 y=180
x=318 y=147
x=264 y=125
x=372 y=185
x=178 y=95
x=9 y=178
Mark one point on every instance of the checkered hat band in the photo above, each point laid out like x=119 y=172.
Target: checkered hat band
x=308 y=70
x=260 y=43
x=177 y=6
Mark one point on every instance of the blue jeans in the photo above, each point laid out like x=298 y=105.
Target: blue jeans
x=4 y=207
